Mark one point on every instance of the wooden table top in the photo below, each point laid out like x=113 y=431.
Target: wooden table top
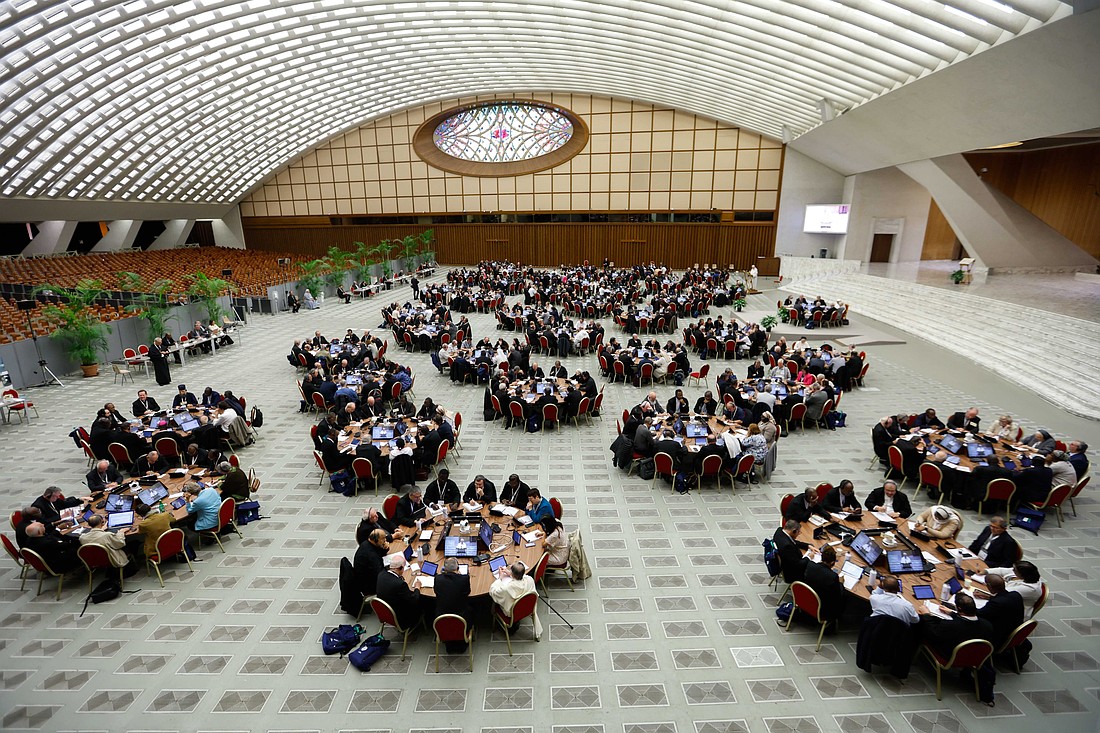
x=362 y=431
x=936 y=576
x=480 y=575
x=1010 y=450
x=172 y=481
x=714 y=425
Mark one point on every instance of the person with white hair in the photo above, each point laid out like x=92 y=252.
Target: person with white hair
x=512 y=584
x=393 y=589
x=938 y=521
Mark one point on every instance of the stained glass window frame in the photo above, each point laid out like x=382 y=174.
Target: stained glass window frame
x=424 y=143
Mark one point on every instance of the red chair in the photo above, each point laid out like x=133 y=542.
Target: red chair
x=168 y=449
x=386 y=615
x=1016 y=638
x=1054 y=500
x=620 y=371
x=364 y=471
x=549 y=416
x=999 y=489
x=970 y=655
x=1059 y=445
x=701 y=375
x=798 y=417
x=320 y=404
x=731 y=348
x=15 y=518
x=646 y=374
x=389 y=505
x=19 y=405
x=808 y=602
x=521 y=609
x=515 y=409
x=712 y=466
x=1044 y=593
x=32 y=558
x=325 y=470
x=596 y=408
x=497 y=411
x=14 y=554
x=712 y=347
x=896 y=463
x=555 y=504
x=235 y=461
x=584 y=410
x=825 y=410
x=604 y=368
x=931 y=476
x=452 y=627
x=663 y=466
x=227 y=517
x=132 y=359
x=783 y=504
x=822 y=490
x=1077 y=492
x=745 y=467
x=539 y=571
x=458 y=432
x=120 y=455
x=395 y=391
x=95 y=557
x=441 y=453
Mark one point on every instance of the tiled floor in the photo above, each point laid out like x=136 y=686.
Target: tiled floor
x=673 y=634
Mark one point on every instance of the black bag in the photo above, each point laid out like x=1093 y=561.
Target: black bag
x=257 y=418
x=108 y=590
x=351 y=598
x=647 y=469
x=1029 y=519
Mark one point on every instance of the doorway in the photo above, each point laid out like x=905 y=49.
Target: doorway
x=881 y=245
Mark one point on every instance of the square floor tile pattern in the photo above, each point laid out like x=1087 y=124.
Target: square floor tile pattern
x=673 y=634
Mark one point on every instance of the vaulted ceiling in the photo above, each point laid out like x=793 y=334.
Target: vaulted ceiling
x=200 y=101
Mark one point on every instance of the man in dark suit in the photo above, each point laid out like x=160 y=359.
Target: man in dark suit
x=410 y=508
x=452 y=596
x=823 y=579
x=976 y=484
x=392 y=589
x=944 y=635
x=881 y=438
x=514 y=493
x=53 y=501
x=842 y=498
x=443 y=489
x=790 y=552
x=968 y=420
x=151 y=462
x=102 y=473
x=667 y=444
x=888 y=499
x=334 y=459
x=144 y=403
x=183 y=398
x=995 y=545
x=59 y=551
x=706 y=405
x=368 y=561
x=481 y=490
x=1034 y=483
x=1077 y=457
x=644 y=444
x=678 y=404
x=805 y=505
x=372 y=520
x=1003 y=609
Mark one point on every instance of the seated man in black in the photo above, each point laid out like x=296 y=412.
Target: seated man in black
x=410 y=508
x=102 y=474
x=968 y=420
x=964 y=625
x=184 y=398
x=706 y=405
x=452 y=596
x=144 y=403
x=443 y=489
x=372 y=520
x=667 y=444
x=368 y=561
x=53 y=501
x=995 y=545
x=842 y=498
x=805 y=505
x=824 y=580
x=59 y=551
x=710 y=449
x=882 y=439
x=151 y=462
x=790 y=551
x=481 y=490
x=928 y=419
x=392 y=588
x=514 y=493
x=335 y=460
x=889 y=500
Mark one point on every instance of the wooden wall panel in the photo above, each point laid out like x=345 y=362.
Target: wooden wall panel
x=939 y=237
x=676 y=245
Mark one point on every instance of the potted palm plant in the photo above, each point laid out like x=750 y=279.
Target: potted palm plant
x=205 y=290
x=76 y=325
x=339 y=262
x=150 y=301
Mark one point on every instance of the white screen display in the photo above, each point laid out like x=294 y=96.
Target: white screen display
x=826 y=219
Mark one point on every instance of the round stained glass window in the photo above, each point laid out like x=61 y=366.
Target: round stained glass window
x=500 y=138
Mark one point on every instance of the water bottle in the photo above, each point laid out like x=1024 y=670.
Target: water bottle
x=872 y=577
x=945 y=593
x=160 y=507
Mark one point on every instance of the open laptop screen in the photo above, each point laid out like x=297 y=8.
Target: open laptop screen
x=865 y=546
x=119 y=519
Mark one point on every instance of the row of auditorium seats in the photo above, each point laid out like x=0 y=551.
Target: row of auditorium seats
x=1015 y=342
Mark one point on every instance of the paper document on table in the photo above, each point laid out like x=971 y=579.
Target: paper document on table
x=463 y=570
x=426 y=581
x=414 y=567
x=964 y=469
x=472 y=506
x=425 y=535
x=935 y=610
x=817 y=521
x=838 y=517
x=531 y=536
x=508 y=511
x=200 y=472
x=176 y=495
x=434 y=511
x=961 y=553
x=883 y=517
x=929 y=558
x=524 y=520
x=849 y=581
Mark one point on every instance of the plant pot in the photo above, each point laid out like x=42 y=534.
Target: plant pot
x=90 y=370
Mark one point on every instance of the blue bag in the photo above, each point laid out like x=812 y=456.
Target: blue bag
x=369 y=652
x=342 y=639
x=343 y=482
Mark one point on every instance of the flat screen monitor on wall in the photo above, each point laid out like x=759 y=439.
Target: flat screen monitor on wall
x=826 y=219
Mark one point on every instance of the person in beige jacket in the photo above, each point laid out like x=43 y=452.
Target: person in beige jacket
x=113 y=543
x=938 y=521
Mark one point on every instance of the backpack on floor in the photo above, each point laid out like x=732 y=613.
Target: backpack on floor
x=343 y=482
x=369 y=652
x=771 y=557
x=342 y=639
x=257 y=418
x=647 y=469
x=1029 y=519
x=248 y=511
x=685 y=482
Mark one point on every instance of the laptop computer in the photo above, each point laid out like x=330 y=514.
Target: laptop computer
x=381 y=432
x=695 y=430
x=189 y=424
x=950 y=444
x=979 y=450
x=119 y=503
x=865 y=546
x=119 y=520
x=153 y=494
x=904 y=561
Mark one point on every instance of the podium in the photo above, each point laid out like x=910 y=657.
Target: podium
x=966 y=264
